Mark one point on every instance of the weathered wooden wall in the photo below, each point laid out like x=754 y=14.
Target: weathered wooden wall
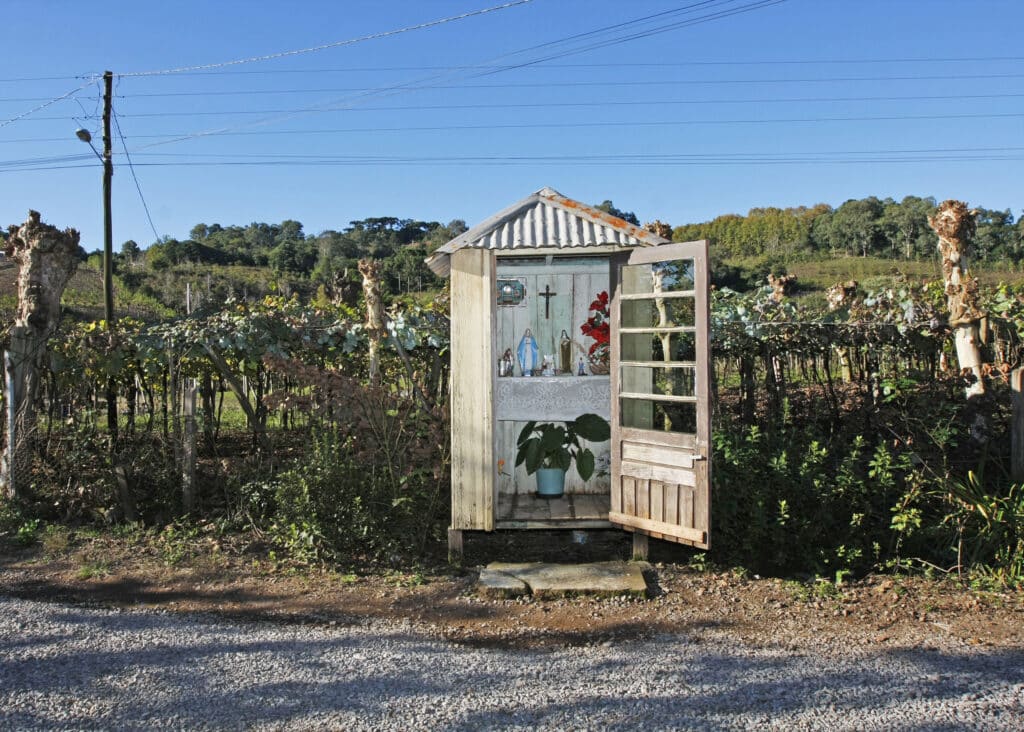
x=473 y=365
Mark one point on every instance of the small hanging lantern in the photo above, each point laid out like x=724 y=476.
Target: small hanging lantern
x=511 y=293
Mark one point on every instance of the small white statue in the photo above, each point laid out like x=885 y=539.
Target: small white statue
x=548 y=365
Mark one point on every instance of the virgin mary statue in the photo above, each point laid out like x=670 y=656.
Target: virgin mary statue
x=527 y=353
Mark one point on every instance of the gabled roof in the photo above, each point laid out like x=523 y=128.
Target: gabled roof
x=545 y=220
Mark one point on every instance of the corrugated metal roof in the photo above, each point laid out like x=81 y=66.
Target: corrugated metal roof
x=545 y=220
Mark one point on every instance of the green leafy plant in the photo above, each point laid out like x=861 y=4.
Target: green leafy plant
x=550 y=445
x=177 y=542
x=28 y=532
x=989 y=526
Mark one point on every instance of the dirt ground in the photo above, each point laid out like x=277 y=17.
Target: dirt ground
x=246 y=582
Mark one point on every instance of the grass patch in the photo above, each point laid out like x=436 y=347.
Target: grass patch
x=56 y=540
x=92 y=569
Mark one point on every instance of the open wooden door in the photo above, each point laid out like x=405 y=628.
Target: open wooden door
x=660 y=367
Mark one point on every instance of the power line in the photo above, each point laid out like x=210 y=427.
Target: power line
x=400 y=88
x=615 y=28
x=647 y=159
x=51 y=159
x=664 y=64
x=761 y=4
x=649 y=155
x=47 y=104
x=516 y=105
x=145 y=206
x=536 y=125
x=553 y=84
x=582 y=125
x=335 y=44
x=560 y=162
x=551 y=125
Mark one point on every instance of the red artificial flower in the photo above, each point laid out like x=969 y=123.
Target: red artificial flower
x=597 y=328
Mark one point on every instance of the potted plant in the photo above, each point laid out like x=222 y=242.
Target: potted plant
x=548 y=449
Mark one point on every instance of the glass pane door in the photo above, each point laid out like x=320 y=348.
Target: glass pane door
x=657 y=347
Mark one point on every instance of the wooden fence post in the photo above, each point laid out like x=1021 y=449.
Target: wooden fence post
x=1017 y=426
x=7 y=473
x=188 y=468
x=21 y=383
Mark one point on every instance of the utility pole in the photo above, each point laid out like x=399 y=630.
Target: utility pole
x=108 y=229
x=108 y=249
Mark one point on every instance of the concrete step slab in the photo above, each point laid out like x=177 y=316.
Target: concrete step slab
x=545 y=580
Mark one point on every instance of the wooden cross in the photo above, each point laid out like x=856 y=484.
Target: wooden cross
x=547 y=295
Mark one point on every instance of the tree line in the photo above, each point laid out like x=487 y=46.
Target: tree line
x=327 y=258
x=860 y=227
x=324 y=265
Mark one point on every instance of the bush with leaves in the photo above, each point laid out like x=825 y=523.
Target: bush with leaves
x=374 y=479
x=901 y=483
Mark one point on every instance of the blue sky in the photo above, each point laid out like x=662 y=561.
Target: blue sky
x=799 y=102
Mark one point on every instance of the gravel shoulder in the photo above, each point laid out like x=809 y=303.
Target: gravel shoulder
x=85 y=668
x=104 y=634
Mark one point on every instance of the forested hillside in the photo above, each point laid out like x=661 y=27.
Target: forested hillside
x=219 y=261
x=861 y=227
x=216 y=262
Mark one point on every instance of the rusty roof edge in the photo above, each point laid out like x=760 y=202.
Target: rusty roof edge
x=575 y=207
x=438 y=261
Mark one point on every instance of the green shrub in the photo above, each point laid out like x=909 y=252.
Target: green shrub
x=18 y=524
x=28 y=532
x=894 y=486
x=786 y=501
x=334 y=505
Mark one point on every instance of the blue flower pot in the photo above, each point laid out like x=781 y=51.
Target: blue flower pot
x=550 y=482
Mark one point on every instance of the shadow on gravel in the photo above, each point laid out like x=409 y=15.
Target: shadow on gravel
x=897 y=689
x=609 y=635
x=478 y=625
x=116 y=669
x=122 y=591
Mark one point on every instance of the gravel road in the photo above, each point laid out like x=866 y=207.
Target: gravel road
x=72 y=667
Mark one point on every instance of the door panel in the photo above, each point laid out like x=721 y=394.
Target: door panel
x=660 y=369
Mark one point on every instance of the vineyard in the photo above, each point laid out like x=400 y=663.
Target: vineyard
x=843 y=442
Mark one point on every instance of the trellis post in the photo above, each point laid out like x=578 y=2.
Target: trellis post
x=188 y=468
x=1017 y=426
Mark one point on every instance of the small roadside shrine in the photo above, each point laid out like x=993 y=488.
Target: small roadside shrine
x=559 y=310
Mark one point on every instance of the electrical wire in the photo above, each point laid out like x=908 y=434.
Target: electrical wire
x=405 y=87
x=584 y=125
x=325 y=46
x=616 y=155
x=761 y=4
x=71 y=93
x=131 y=167
x=427 y=108
x=625 y=64
x=553 y=84
x=925 y=155
x=538 y=163
x=542 y=125
x=535 y=125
